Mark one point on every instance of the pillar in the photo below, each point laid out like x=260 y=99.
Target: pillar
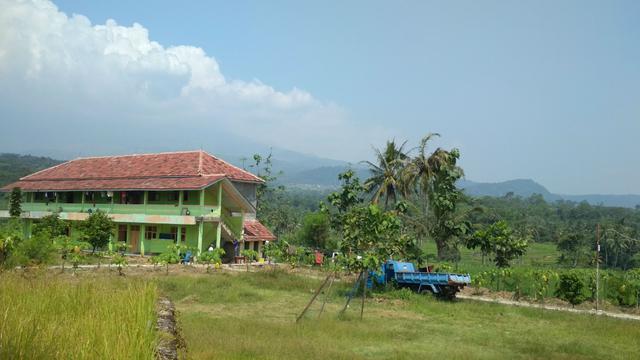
x=142 y=233
x=178 y=235
x=218 y=233
x=200 y=233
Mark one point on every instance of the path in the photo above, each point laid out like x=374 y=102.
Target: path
x=550 y=307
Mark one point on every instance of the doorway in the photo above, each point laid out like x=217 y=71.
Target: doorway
x=135 y=238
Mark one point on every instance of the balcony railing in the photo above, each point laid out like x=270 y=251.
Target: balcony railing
x=149 y=209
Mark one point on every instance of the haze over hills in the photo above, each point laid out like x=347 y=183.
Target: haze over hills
x=312 y=172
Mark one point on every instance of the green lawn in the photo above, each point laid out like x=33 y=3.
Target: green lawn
x=248 y=316
x=538 y=255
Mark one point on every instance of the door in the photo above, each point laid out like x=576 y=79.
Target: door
x=135 y=238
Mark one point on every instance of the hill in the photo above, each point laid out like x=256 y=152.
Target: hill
x=528 y=187
x=14 y=166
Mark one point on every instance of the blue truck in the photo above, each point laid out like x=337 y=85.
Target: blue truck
x=404 y=274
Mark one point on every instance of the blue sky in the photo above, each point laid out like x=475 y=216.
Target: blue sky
x=548 y=90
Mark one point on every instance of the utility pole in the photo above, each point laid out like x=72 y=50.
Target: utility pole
x=597 y=265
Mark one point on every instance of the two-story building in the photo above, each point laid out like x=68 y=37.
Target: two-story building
x=190 y=198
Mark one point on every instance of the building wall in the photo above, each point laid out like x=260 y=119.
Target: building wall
x=248 y=190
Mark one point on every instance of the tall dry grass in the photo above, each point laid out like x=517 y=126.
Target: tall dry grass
x=48 y=317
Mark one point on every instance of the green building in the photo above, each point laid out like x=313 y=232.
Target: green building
x=191 y=198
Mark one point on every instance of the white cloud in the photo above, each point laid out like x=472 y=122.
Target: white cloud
x=65 y=81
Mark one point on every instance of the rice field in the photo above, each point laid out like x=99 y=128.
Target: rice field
x=45 y=316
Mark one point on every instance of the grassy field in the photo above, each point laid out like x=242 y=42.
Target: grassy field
x=539 y=255
x=45 y=316
x=248 y=316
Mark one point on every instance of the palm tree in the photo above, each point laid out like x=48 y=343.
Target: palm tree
x=419 y=172
x=430 y=179
x=386 y=175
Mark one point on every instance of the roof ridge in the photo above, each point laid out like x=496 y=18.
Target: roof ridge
x=125 y=177
x=130 y=155
x=228 y=163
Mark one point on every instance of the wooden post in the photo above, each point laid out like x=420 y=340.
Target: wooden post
x=315 y=295
x=326 y=294
x=353 y=292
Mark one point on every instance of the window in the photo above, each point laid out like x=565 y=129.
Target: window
x=150 y=232
x=152 y=196
x=183 y=233
x=173 y=195
x=185 y=196
x=122 y=233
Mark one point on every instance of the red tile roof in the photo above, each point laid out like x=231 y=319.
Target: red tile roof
x=162 y=171
x=255 y=231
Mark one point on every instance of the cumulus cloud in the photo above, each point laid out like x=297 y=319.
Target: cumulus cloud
x=67 y=82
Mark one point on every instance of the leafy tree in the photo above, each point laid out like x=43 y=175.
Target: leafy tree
x=570 y=288
x=97 y=229
x=272 y=207
x=351 y=194
x=371 y=236
x=386 y=175
x=51 y=226
x=499 y=239
x=15 y=203
x=481 y=239
x=574 y=246
x=316 y=230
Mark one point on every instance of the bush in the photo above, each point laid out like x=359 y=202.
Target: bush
x=570 y=288
x=10 y=238
x=38 y=250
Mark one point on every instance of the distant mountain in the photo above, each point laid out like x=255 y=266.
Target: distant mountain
x=528 y=187
x=520 y=187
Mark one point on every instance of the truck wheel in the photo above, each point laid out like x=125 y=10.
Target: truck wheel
x=447 y=293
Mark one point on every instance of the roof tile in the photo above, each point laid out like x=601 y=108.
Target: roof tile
x=255 y=231
x=161 y=171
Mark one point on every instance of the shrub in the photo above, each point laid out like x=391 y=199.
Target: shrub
x=10 y=238
x=37 y=250
x=51 y=226
x=570 y=288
